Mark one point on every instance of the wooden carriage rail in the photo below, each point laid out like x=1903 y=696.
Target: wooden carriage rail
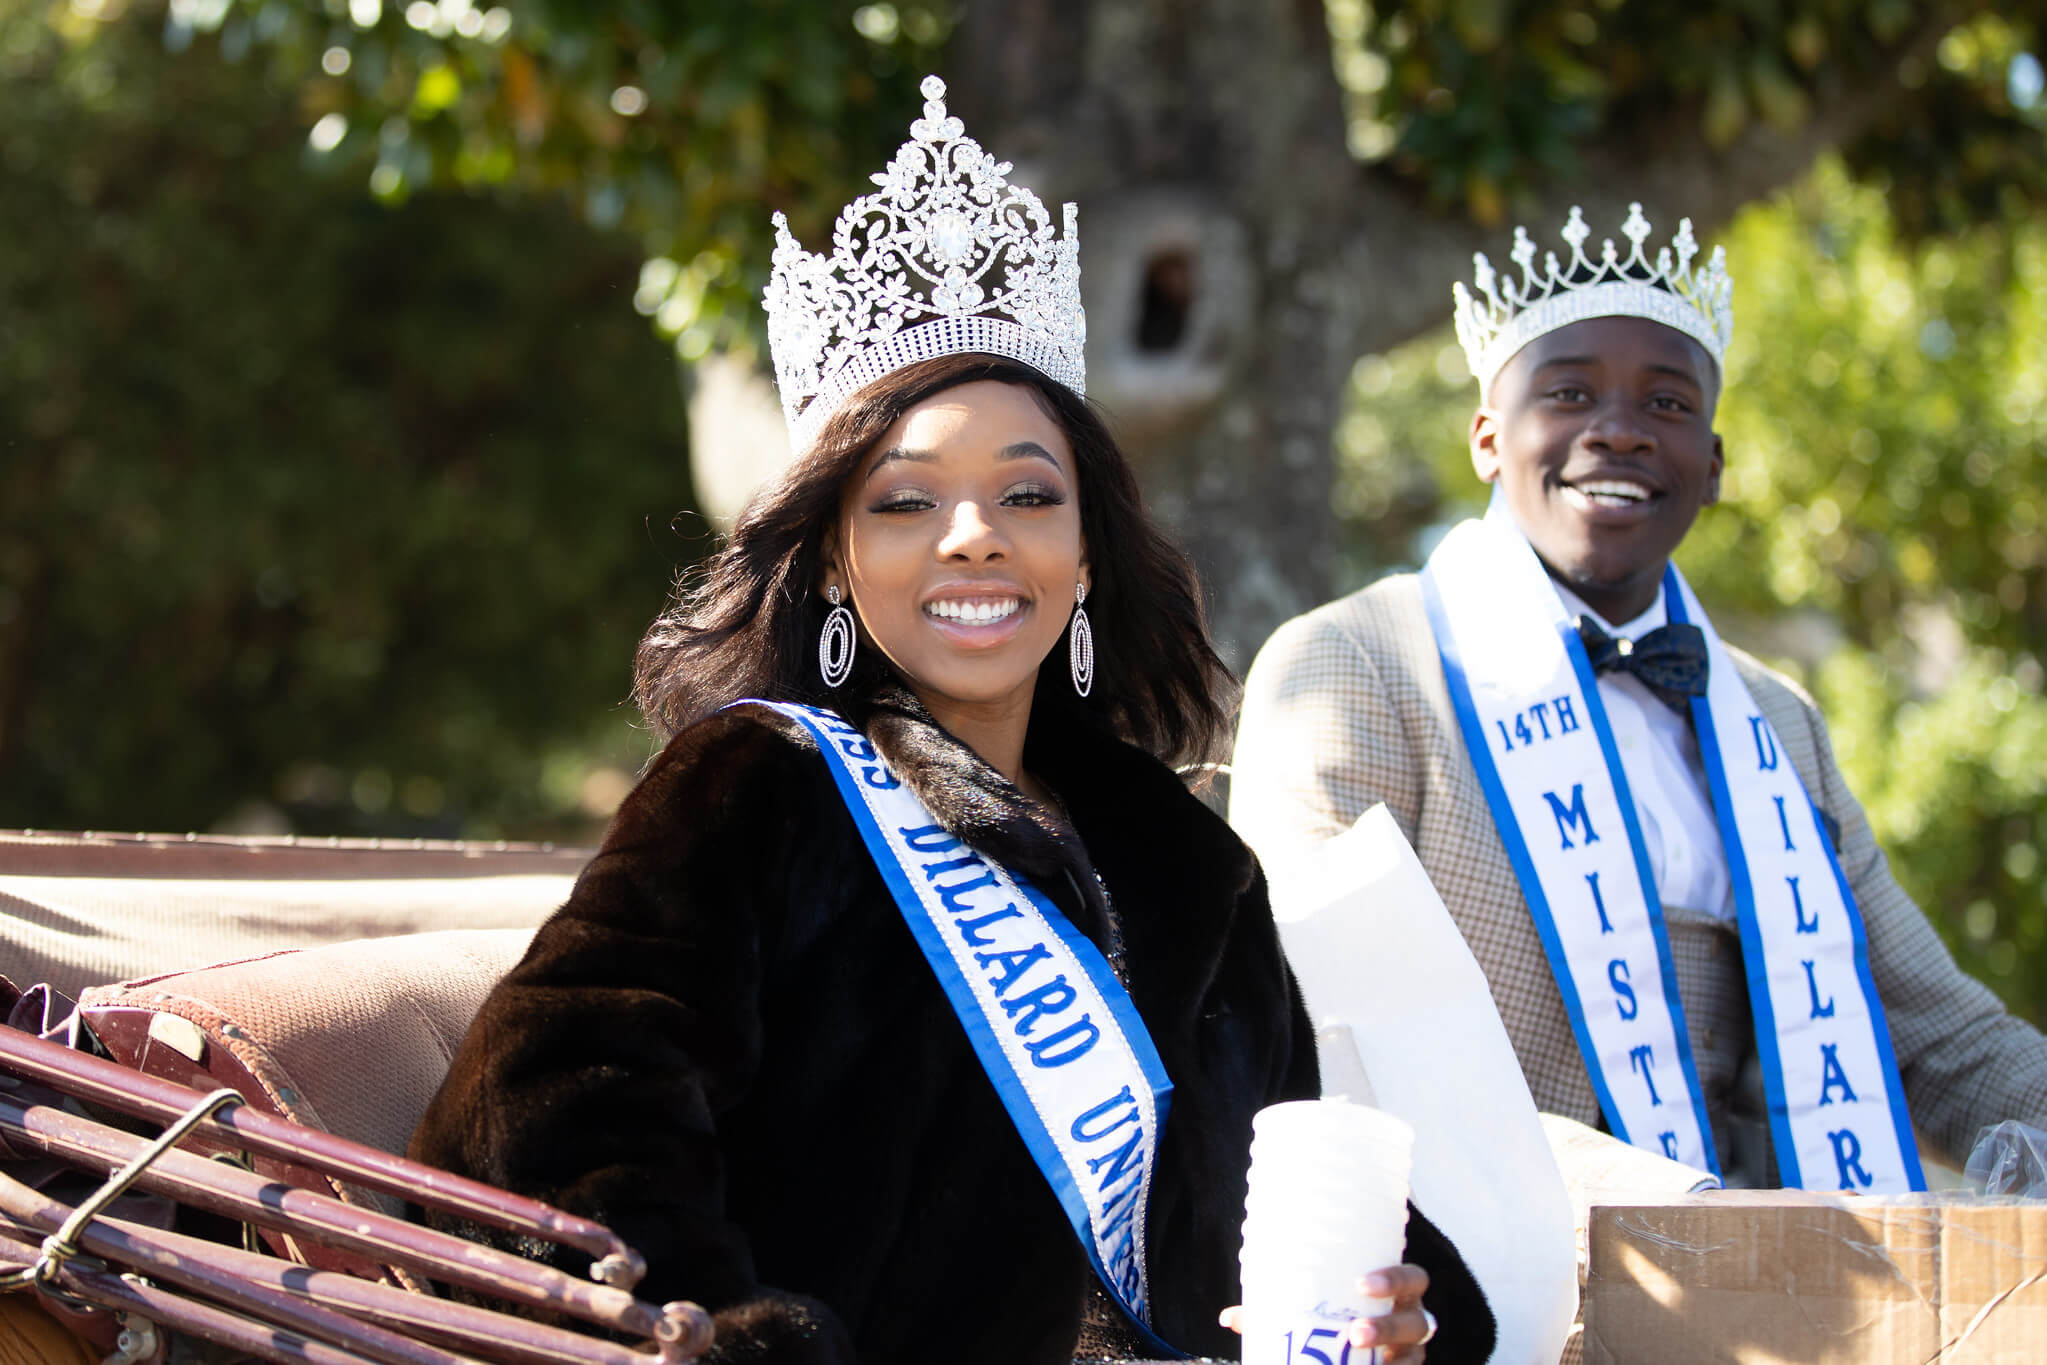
x=245 y=1129
x=249 y=1297
x=256 y=1283
x=107 y=1289
x=244 y=1196
x=62 y=1242
x=305 y=1315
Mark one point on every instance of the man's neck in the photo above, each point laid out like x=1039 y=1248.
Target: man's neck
x=1616 y=604
x=1634 y=628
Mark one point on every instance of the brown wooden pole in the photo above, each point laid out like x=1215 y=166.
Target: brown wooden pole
x=99 y=1081
x=680 y=1330
x=226 y=1272
x=165 y=1309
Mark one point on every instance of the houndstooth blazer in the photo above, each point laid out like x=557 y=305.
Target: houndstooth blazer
x=1346 y=706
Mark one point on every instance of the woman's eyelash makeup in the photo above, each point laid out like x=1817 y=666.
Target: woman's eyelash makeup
x=912 y=500
x=904 y=500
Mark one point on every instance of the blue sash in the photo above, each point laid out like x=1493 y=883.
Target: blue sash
x=1051 y=1025
x=1538 y=737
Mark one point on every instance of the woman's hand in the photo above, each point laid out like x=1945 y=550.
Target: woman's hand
x=1400 y=1334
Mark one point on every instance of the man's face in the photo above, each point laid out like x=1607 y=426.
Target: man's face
x=1600 y=437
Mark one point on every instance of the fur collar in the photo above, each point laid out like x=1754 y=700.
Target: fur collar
x=1096 y=776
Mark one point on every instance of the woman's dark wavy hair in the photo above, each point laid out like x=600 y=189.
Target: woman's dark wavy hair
x=746 y=622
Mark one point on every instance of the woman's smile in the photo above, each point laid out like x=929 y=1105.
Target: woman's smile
x=975 y=616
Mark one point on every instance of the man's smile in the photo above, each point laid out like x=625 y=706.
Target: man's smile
x=1608 y=493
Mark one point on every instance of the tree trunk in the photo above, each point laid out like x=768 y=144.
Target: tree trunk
x=1205 y=145
x=1237 y=261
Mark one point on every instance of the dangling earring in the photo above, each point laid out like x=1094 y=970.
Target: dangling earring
x=1080 y=649
x=835 y=646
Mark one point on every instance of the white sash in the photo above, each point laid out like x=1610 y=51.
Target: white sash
x=1539 y=739
x=1047 y=1018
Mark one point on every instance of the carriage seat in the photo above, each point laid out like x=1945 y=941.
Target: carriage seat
x=80 y=910
x=352 y=1038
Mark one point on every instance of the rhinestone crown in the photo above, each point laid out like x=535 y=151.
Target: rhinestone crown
x=1507 y=314
x=947 y=257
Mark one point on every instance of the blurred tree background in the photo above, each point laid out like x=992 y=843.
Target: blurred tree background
x=338 y=472
x=312 y=510
x=342 y=445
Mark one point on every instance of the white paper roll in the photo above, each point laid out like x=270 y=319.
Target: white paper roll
x=1408 y=1022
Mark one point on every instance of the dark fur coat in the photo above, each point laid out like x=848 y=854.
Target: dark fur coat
x=728 y=1048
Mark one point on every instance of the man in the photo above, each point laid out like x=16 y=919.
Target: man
x=1642 y=833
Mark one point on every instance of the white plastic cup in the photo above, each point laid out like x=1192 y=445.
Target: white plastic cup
x=1327 y=1204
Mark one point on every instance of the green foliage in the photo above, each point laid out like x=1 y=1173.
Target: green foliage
x=1885 y=419
x=684 y=122
x=1479 y=101
x=353 y=509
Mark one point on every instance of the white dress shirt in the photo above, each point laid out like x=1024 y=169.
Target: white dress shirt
x=1666 y=776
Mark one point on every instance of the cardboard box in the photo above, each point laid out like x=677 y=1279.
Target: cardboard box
x=1763 y=1277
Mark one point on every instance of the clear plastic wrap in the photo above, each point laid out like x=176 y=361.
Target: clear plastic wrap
x=2010 y=1158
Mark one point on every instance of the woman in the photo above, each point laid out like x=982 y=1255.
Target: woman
x=740 y=1046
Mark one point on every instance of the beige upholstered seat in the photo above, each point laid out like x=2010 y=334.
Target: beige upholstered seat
x=353 y=1038
x=84 y=910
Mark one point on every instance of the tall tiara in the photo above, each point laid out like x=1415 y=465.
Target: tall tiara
x=909 y=277
x=1512 y=313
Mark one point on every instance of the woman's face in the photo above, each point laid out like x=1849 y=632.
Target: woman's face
x=959 y=543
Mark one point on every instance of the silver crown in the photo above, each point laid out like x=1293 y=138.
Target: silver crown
x=1513 y=313
x=908 y=277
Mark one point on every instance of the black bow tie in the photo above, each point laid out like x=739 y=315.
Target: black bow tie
x=1670 y=660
